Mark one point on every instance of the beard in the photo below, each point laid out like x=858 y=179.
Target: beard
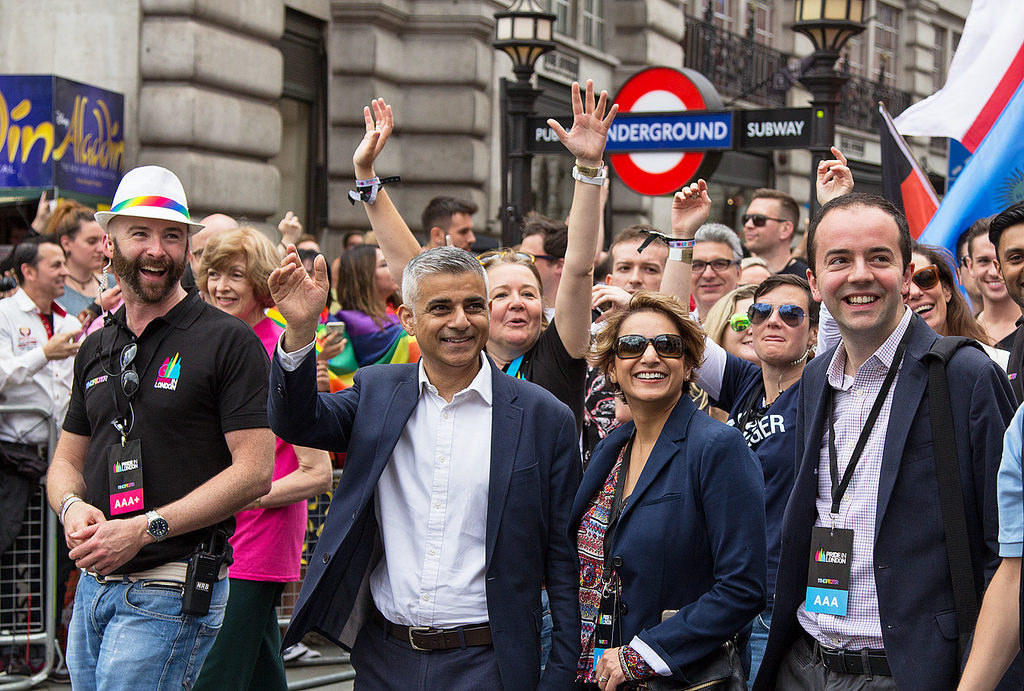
x=129 y=271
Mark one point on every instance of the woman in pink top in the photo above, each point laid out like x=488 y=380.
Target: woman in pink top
x=267 y=542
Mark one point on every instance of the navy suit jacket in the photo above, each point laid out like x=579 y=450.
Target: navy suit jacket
x=915 y=597
x=535 y=470
x=691 y=537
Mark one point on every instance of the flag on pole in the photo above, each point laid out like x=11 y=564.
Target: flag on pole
x=992 y=179
x=903 y=181
x=985 y=73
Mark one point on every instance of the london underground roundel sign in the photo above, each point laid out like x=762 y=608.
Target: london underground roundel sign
x=664 y=89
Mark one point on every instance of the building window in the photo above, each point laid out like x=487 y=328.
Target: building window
x=302 y=160
x=593 y=23
x=580 y=19
x=563 y=11
x=887 y=23
x=764 y=21
x=940 y=59
x=852 y=60
x=724 y=14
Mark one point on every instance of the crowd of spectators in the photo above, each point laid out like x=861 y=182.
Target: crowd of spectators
x=697 y=410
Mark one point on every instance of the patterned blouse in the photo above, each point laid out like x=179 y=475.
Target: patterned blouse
x=590 y=545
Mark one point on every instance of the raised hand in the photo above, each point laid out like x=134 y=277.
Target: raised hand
x=379 y=125
x=690 y=208
x=299 y=297
x=589 y=132
x=290 y=228
x=834 y=178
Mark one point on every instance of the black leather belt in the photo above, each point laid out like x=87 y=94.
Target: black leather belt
x=425 y=638
x=871 y=661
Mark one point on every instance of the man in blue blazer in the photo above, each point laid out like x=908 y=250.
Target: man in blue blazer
x=452 y=510
x=880 y=535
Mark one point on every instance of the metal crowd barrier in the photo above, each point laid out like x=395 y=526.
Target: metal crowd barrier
x=316 y=517
x=28 y=583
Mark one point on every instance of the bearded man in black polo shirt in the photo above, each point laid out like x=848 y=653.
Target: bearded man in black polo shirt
x=166 y=438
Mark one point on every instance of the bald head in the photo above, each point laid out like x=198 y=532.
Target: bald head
x=214 y=223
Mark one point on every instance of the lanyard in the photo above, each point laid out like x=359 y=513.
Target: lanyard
x=513 y=367
x=618 y=503
x=838 y=490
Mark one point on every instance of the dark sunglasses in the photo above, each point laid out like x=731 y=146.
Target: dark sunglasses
x=926 y=278
x=791 y=315
x=129 y=377
x=634 y=345
x=739 y=322
x=760 y=219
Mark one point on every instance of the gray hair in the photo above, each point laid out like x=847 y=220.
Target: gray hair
x=438 y=260
x=717 y=232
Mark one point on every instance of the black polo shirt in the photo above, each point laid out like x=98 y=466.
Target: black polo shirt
x=202 y=373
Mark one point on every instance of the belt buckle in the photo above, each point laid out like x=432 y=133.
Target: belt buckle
x=418 y=629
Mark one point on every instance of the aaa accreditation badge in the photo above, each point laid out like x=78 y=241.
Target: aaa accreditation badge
x=828 y=576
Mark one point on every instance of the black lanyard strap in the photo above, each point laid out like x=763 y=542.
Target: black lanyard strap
x=618 y=503
x=839 y=487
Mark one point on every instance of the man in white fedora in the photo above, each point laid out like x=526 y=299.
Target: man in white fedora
x=166 y=437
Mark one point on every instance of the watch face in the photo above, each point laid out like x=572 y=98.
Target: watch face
x=157 y=527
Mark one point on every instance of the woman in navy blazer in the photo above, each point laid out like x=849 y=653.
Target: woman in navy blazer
x=687 y=493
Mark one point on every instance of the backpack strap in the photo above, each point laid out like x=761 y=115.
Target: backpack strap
x=954 y=519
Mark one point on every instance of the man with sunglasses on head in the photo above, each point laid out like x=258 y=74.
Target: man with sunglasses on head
x=715 y=270
x=166 y=437
x=864 y=596
x=768 y=227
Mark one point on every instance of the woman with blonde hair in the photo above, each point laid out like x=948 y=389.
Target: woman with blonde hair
x=267 y=542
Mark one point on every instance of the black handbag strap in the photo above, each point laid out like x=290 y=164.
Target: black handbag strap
x=954 y=519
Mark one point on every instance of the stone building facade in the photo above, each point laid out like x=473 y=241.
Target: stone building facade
x=257 y=104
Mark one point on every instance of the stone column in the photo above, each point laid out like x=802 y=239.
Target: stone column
x=432 y=61
x=210 y=76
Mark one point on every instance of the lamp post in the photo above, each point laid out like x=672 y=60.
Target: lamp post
x=828 y=24
x=523 y=32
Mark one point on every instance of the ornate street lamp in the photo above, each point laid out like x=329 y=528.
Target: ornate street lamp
x=524 y=33
x=829 y=24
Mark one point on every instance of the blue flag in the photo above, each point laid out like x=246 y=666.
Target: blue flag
x=992 y=179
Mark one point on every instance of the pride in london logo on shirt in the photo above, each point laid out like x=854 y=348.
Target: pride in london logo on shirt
x=167 y=377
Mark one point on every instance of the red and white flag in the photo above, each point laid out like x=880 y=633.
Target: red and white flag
x=984 y=75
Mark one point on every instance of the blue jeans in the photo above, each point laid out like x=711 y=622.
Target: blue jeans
x=133 y=636
x=758 y=641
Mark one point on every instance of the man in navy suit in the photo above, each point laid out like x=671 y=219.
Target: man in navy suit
x=864 y=596
x=453 y=507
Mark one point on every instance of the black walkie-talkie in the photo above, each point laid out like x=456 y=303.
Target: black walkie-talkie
x=201 y=575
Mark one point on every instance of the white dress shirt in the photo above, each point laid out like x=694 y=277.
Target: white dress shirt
x=431 y=507
x=27 y=378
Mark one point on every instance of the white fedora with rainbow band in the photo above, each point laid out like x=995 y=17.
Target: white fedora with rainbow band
x=150 y=192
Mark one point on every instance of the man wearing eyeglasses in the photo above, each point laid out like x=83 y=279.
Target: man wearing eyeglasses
x=768 y=226
x=166 y=437
x=716 y=265
x=864 y=596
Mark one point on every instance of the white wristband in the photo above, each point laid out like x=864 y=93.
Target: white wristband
x=67 y=504
x=596 y=180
